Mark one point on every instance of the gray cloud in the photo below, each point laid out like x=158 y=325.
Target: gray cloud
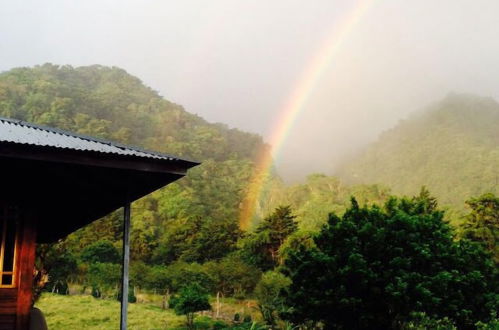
x=237 y=62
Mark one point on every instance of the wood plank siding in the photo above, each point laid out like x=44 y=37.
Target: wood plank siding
x=8 y=308
x=16 y=301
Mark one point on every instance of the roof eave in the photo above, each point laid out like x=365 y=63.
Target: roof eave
x=93 y=158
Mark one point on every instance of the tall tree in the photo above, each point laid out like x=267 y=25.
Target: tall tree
x=262 y=247
x=374 y=266
x=482 y=223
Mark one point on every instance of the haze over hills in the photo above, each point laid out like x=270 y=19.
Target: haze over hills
x=108 y=102
x=452 y=147
x=192 y=232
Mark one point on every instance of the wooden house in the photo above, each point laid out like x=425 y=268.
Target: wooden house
x=54 y=182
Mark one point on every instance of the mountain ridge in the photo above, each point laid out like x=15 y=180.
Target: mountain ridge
x=452 y=147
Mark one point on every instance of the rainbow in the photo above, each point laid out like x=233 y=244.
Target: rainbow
x=295 y=104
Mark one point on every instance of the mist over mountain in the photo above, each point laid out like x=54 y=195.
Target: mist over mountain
x=109 y=103
x=452 y=147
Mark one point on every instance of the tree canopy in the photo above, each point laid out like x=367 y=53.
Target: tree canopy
x=190 y=299
x=374 y=266
x=482 y=223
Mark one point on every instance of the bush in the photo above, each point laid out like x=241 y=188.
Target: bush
x=219 y=325
x=493 y=324
x=231 y=276
x=139 y=274
x=131 y=295
x=182 y=274
x=421 y=321
x=267 y=291
x=191 y=298
x=101 y=251
x=60 y=265
x=104 y=277
x=158 y=278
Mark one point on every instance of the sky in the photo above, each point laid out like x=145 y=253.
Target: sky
x=240 y=62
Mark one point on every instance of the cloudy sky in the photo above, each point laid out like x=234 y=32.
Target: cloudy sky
x=239 y=62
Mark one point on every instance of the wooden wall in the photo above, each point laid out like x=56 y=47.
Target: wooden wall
x=8 y=308
x=15 y=303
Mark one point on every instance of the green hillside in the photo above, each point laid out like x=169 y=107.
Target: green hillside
x=188 y=250
x=109 y=103
x=452 y=147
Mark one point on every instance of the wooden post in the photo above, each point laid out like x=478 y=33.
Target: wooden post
x=218 y=304
x=26 y=264
x=124 y=270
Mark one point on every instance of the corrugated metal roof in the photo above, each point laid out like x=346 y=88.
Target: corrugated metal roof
x=17 y=131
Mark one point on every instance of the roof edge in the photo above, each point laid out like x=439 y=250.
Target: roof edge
x=95 y=139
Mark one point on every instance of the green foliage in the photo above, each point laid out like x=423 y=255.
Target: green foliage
x=452 y=147
x=104 y=278
x=158 y=279
x=193 y=220
x=493 y=324
x=131 y=295
x=261 y=248
x=249 y=326
x=320 y=195
x=375 y=266
x=268 y=294
x=182 y=274
x=205 y=322
x=482 y=224
x=170 y=278
x=385 y=262
x=100 y=251
x=139 y=274
x=191 y=299
x=59 y=264
x=231 y=276
x=421 y=321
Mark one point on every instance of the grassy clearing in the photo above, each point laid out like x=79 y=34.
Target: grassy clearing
x=87 y=312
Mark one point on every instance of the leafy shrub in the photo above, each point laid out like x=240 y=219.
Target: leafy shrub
x=270 y=301
x=104 y=277
x=190 y=299
x=101 y=251
x=421 y=321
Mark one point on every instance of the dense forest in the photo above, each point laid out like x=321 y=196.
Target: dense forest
x=452 y=147
x=312 y=248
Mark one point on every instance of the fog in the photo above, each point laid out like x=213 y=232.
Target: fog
x=238 y=62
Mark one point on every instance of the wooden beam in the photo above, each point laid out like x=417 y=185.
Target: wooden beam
x=26 y=264
x=124 y=270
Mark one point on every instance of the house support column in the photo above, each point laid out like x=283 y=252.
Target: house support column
x=124 y=270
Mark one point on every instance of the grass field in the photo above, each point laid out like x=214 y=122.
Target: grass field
x=87 y=312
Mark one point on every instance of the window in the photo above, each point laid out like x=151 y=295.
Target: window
x=8 y=246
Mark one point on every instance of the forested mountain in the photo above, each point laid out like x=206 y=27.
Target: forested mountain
x=186 y=238
x=109 y=103
x=320 y=195
x=196 y=218
x=452 y=147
